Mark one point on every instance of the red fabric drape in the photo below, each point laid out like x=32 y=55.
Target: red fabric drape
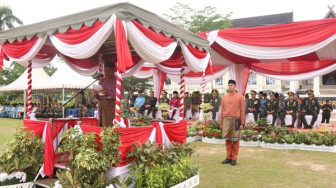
x=234 y=58
x=36 y=126
x=73 y=37
x=18 y=49
x=88 y=63
x=283 y=35
x=128 y=137
x=162 y=81
x=246 y=74
x=199 y=54
x=290 y=68
x=176 y=132
x=158 y=38
x=123 y=52
x=49 y=153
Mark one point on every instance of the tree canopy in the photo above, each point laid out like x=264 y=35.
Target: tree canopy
x=7 y=19
x=206 y=19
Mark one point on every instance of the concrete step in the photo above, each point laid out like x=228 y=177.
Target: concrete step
x=47 y=183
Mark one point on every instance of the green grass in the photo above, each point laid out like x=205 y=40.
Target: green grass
x=256 y=167
x=7 y=129
x=259 y=167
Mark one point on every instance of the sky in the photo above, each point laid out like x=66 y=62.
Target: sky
x=32 y=11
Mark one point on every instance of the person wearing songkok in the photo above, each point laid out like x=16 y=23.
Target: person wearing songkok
x=187 y=103
x=150 y=104
x=253 y=105
x=215 y=102
x=232 y=119
x=326 y=108
x=164 y=98
x=106 y=97
x=139 y=103
x=174 y=103
x=263 y=101
x=291 y=108
x=195 y=102
x=309 y=106
x=272 y=106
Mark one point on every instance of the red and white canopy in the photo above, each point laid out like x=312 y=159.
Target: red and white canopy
x=108 y=31
x=291 y=51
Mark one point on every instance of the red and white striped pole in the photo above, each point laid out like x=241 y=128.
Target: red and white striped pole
x=117 y=118
x=182 y=88
x=100 y=64
x=29 y=94
x=203 y=86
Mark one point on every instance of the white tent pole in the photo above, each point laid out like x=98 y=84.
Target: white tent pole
x=63 y=100
x=24 y=103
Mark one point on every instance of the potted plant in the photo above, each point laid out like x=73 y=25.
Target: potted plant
x=20 y=159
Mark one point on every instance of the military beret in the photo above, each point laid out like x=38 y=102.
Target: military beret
x=253 y=92
x=290 y=93
x=214 y=91
x=151 y=91
x=310 y=91
x=164 y=92
x=271 y=93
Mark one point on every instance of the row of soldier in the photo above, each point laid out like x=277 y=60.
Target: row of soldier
x=277 y=106
x=48 y=110
x=192 y=103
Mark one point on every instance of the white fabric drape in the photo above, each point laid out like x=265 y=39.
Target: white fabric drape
x=198 y=80
x=89 y=47
x=258 y=52
x=147 y=49
x=195 y=64
x=304 y=76
x=39 y=63
x=156 y=79
x=136 y=68
x=170 y=70
x=32 y=52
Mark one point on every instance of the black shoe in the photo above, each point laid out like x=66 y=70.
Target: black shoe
x=226 y=161
x=233 y=162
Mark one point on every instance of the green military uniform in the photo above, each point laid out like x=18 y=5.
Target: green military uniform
x=292 y=107
x=45 y=112
x=215 y=103
x=253 y=104
x=309 y=106
x=164 y=100
x=38 y=112
x=272 y=108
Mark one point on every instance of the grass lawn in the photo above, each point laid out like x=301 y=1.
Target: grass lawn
x=259 y=167
x=256 y=167
x=7 y=128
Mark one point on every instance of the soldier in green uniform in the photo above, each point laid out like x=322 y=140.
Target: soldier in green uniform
x=291 y=107
x=272 y=106
x=60 y=110
x=309 y=106
x=253 y=105
x=38 y=111
x=164 y=98
x=187 y=103
x=46 y=111
x=51 y=111
x=215 y=102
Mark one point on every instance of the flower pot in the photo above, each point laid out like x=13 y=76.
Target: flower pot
x=20 y=185
x=213 y=140
x=191 y=182
x=193 y=138
x=249 y=143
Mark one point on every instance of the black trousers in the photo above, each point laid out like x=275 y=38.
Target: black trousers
x=214 y=113
x=149 y=110
x=283 y=115
x=274 y=114
x=325 y=117
x=303 y=119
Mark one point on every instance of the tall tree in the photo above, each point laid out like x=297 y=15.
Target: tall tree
x=50 y=69
x=8 y=75
x=132 y=84
x=7 y=19
x=205 y=19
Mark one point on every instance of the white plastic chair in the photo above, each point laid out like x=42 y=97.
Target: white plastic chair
x=288 y=120
x=249 y=117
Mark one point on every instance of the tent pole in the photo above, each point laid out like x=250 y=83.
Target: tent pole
x=24 y=103
x=63 y=101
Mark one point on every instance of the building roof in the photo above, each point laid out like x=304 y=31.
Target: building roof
x=263 y=20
